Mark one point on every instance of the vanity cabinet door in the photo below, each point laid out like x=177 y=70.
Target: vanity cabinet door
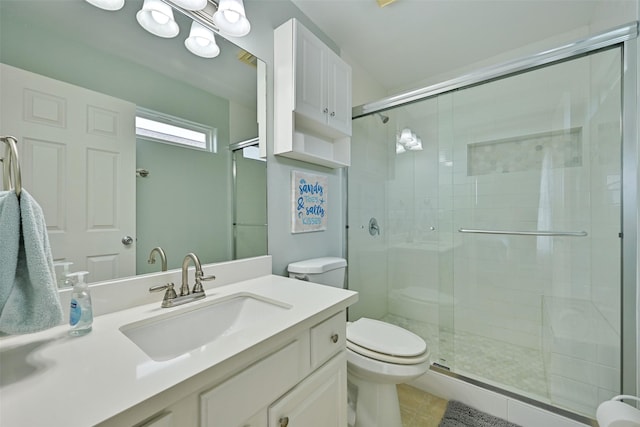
x=230 y=403
x=258 y=420
x=318 y=401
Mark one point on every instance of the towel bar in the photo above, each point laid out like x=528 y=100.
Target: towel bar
x=526 y=233
x=10 y=163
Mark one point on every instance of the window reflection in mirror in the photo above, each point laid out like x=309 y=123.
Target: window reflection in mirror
x=186 y=203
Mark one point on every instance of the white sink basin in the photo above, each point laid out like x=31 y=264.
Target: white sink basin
x=167 y=336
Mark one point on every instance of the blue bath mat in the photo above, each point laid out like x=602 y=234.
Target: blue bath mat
x=460 y=415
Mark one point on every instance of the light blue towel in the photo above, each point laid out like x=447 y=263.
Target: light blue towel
x=9 y=242
x=33 y=303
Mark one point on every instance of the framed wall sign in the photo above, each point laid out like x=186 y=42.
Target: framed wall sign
x=308 y=202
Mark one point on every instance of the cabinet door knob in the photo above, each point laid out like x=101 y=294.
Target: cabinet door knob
x=284 y=421
x=326 y=110
x=334 y=338
x=333 y=114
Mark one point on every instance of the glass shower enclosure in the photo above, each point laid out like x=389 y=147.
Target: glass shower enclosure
x=498 y=208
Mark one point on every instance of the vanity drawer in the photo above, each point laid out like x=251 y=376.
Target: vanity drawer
x=328 y=338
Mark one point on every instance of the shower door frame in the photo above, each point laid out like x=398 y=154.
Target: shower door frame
x=626 y=38
x=234 y=149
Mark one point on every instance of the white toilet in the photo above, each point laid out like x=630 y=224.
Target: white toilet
x=379 y=355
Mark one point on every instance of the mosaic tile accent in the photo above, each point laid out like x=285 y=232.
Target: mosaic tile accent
x=562 y=149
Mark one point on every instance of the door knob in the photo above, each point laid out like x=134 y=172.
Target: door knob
x=127 y=240
x=284 y=421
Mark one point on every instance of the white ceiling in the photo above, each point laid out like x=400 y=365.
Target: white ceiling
x=409 y=41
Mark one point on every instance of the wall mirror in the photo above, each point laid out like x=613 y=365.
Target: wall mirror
x=100 y=70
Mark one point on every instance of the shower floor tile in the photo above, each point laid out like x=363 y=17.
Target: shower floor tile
x=501 y=364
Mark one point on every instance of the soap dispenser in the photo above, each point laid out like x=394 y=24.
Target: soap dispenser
x=81 y=313
x=63 y=280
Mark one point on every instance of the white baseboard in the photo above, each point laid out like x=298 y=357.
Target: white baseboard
x=491 y=402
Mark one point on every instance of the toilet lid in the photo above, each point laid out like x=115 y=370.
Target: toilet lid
x=397 y=360
x=385 y=338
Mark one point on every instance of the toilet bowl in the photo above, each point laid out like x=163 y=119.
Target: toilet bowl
x=379 y=355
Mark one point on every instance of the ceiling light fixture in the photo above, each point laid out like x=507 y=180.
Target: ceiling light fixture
x=191 y=4
x=231 y=19
x=406 y=136
x=417 y=146
x=107 y=4
x=226 y=17
x=202 y=41
x=408 y=140
x=157 y=17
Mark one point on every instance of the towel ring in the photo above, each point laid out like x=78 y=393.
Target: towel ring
x=10 y=163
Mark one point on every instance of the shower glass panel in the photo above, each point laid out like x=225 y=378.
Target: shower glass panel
x=250 y=203
x=499 y=237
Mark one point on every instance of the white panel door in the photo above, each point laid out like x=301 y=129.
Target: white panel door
x=77 y=155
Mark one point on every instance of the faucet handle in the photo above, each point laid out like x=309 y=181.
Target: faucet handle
x=200 y=277
x=168 y=295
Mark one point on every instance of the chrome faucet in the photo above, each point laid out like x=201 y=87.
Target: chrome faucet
x=171 y=299
x=163 y=257
x=197 y=287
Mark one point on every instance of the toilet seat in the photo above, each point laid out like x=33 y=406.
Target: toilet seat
x=386 y=342
x=397 y=360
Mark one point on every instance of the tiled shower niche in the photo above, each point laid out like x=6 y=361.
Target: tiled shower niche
x=534 y=152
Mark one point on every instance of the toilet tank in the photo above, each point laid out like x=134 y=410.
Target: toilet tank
x=327 y=271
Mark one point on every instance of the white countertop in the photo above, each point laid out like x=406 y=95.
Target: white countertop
x=51 y=379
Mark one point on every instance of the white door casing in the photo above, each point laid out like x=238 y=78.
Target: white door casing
x=77 y=157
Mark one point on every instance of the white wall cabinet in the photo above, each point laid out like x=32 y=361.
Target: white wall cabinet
x=301 y=382
x=312 y=98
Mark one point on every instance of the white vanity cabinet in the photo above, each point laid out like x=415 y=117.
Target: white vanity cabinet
x=234 y=402
x=312 y=98
x=300 y=382
x=318 y=401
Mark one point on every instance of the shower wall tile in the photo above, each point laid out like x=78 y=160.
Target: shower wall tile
x=605 y=394
x=584 y=371
x=573 y=394
x=608 y=355
x=529 y=416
